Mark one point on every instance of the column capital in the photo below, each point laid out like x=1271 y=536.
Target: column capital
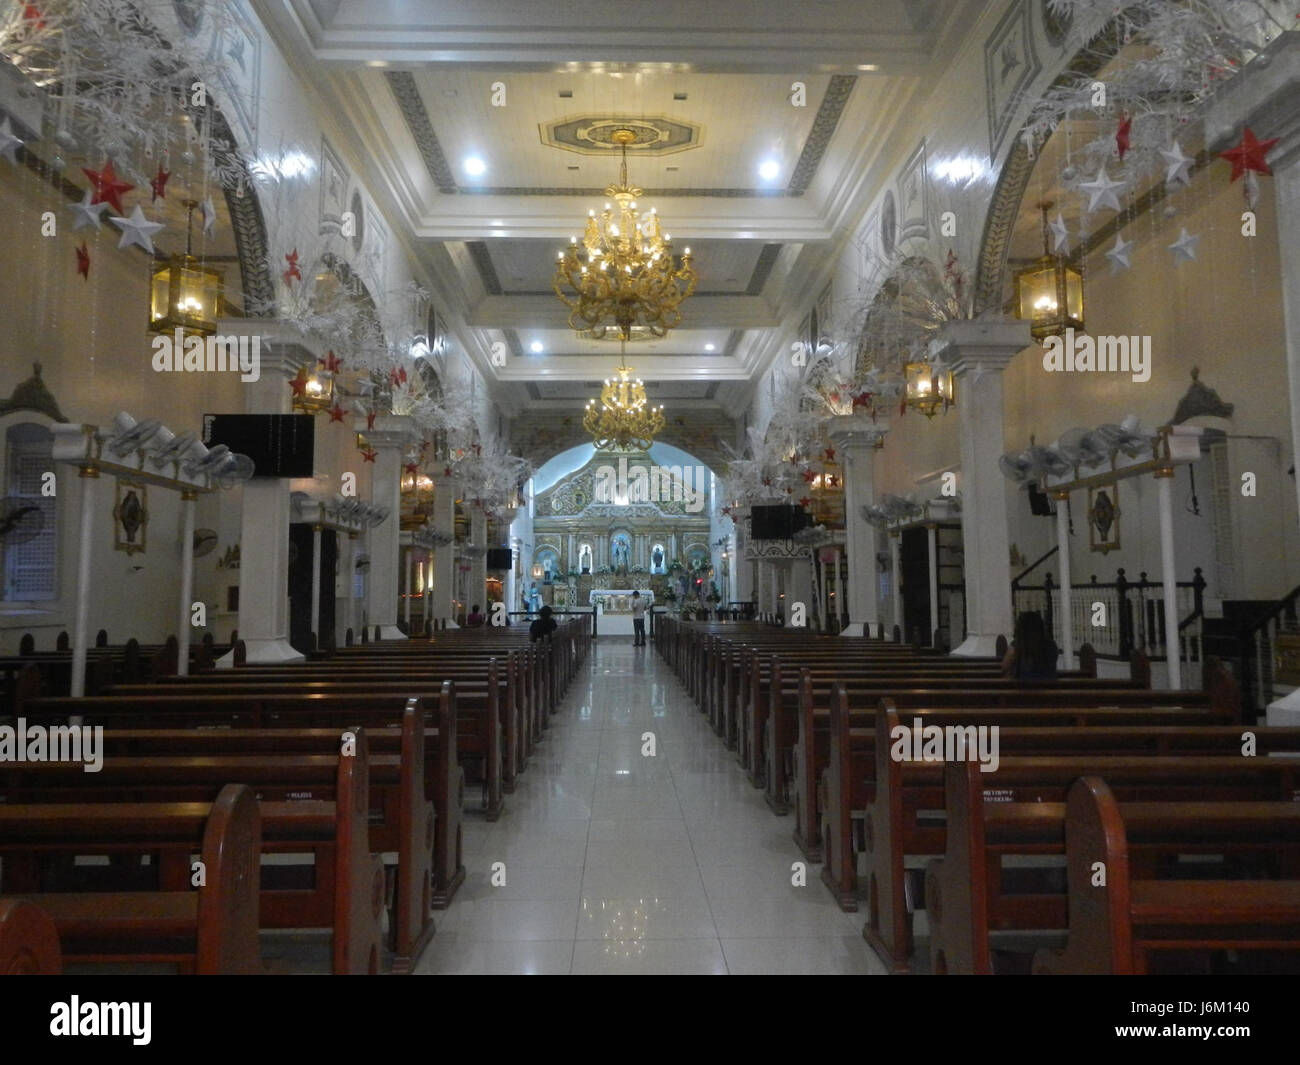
x=1261 y=96
x=284 y=348
x=980 y=344
x=389 y=431
x=855 y=430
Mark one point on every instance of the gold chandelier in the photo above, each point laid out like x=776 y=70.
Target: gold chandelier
x=624 y=418
x=629 y=277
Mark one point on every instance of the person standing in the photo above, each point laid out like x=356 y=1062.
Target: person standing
x=638 y=620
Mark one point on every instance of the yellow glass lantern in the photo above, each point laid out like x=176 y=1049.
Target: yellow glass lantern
x=1049 y=294
x=185 y=294
x=929 y=388
x=316 y=391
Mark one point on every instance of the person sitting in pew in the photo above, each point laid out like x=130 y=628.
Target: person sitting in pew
x=1032 y=654
x=542 y=628
x=475 y=619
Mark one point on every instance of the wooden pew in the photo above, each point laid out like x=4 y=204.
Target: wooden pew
x=210 y=930
x=901 y=822
x=1119 y=927
x=29 y=942
x=310 y=803
x=965 y=900
x=405 y=825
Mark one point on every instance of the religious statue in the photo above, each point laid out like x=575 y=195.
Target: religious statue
x=657 y=560
x=620 y=552
x=584 y=559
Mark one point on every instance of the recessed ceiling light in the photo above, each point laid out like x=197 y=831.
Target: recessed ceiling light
x=474 y=166
x=566 y=94
x=709 y=347
x=536 y=347
x=868 y=66
x=679 y=96
x=377 y=63
x=768 y=169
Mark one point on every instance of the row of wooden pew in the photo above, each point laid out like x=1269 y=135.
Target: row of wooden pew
x=358 y=761
x=813 y=721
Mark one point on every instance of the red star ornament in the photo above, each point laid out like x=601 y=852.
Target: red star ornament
x=804 y=501
x=107 y=187
x=1249 y=155
x=299 y=383
x=293 y=272
x=809 y=476
x=34 y=15
x=1123 y=135
x=862 y=399
x=398 y=376
x=83 y=261
x=331 y=363
x=370 y=419
x=369 y=455
x=412 y=468
x=830 y=454
x=336 y=413
x=159 y=184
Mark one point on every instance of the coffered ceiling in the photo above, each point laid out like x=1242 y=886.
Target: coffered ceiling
x=483 y=130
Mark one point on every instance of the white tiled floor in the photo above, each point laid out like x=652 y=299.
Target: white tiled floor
x=620 y=863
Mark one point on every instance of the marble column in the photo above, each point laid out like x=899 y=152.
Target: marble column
x=264 y=518
x=1169 y=576
x=1263 y=97
x=855 y=438
x=390 y=437
x=744 y=568
x=977 y=351
x=1065 y=599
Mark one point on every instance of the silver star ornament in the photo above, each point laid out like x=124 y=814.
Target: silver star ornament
x=1060 y=234
x=1118 y=255
x=9 y=143
x=136 y=229
x=1101 y=191
x=1178 y=166
x=1184 y=248
x=87 y=213
x=209 y=217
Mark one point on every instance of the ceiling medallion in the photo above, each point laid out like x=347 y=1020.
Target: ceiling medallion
x=601 y=134
x=629 y=275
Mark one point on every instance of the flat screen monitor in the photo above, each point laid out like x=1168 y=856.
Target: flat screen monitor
x=500 y=558
x=280 y=445
x=777 y=522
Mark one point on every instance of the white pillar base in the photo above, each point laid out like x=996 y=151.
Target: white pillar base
x=263 y=652
x=1285 y=711
x=855 y=628
x=391 y=632
x=976 y=647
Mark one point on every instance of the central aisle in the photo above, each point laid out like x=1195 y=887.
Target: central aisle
x=615 y=862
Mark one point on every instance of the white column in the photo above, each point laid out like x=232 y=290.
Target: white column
x=1169 y=576
x=1065 y=601
x=81 y=624
x=932 y=565
x=444 y=560
x=1263 y=97
x=315 y=585
x=978 y=351
x=187 y=583
x=744 y=569
x=478 y=564
x=855 y=438
x=265 y=516
x=896 y=561
x=410 y=587
x=349 y=579
x=389 y=438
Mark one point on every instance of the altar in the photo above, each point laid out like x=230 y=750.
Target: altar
x=616 y=608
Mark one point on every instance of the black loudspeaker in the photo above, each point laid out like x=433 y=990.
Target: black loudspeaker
x=1039 y=504
x=777 y=522
x=499 y=558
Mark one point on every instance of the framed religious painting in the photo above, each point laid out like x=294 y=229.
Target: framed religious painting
x=1103 y=518
x=130 y=517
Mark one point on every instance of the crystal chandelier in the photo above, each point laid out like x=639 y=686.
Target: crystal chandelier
x=629 y=277
x=624 y=418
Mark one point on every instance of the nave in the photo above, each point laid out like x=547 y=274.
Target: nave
x=617 y=863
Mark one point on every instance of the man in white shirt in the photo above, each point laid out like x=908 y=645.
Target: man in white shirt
x=638 y=620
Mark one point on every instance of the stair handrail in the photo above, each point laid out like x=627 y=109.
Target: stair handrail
x=1015 y=581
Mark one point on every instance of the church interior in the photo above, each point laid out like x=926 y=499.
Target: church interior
x=695 y=514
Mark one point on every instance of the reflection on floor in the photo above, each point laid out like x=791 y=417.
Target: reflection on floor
x=617 y=862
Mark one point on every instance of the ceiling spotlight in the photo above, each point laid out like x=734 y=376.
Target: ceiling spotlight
x=708 y=347
x=868 y=66
x=474 y=166
x=536 y=347
x=769 y=169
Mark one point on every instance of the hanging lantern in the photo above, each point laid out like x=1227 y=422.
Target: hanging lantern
x=929 y=388
x=185 y=294
x=313 y=391
x=1050 y=292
